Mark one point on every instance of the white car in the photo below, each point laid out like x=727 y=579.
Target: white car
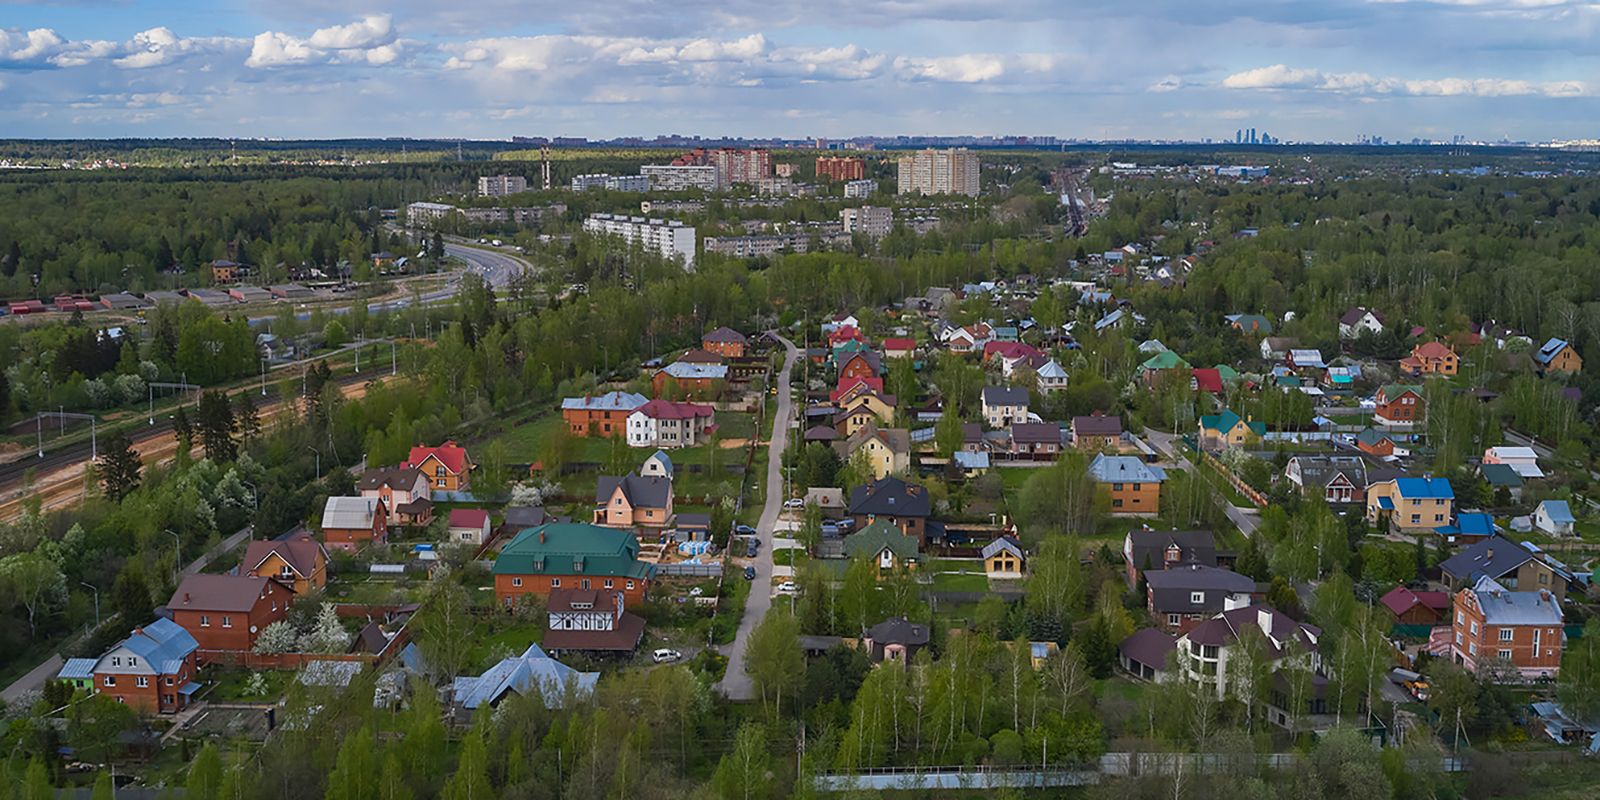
x=664 y=655
x=788 y=587
x=794 y=502
x=696 y=592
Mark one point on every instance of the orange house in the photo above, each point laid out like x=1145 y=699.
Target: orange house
x=446 y=467
x=1133 y=486
x=604 y=416
x=571 y=555
x=861 y=364
x=152 y=670
x=633 y=501
x=1492 y=625
x=299 y=562
x=227 y=612
x=725 y=342
x=1398 y=404
x=1431 y=358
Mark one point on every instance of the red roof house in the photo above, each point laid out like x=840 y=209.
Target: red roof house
x=1416 y=608
x=445 y=466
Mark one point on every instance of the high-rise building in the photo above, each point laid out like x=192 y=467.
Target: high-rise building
x=501 y=185
x=874 y=222
x=615 y=183
x=952 y=171
x=862 y=188
x=741 y=166
x=835 y=168
x=670 y=238
x=677 y=178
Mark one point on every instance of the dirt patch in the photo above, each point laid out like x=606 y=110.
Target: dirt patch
x=733 y=444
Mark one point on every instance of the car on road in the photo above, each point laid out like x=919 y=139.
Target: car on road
x=794 y=502
x=751 y=549
x=788 y=587
x=744 y=530
x=749 y=573
x=664 y=655
x=830 y=530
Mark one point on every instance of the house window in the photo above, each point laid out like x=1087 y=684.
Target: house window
x=111 y=680
x=555 y=583
x=1116 y=487
x=142 y=682
x=1505 y=634
x=1474 y=627
x=1197 y=597
x=205 y=621
x=1472 y=647
x=516 y=582
x=1116 y=502
x=630 y=584
x=583 y=583
x=169 y=680
x=1505 y=655
x=1459 y=618
x=608 y=583
x=227 y=621
x=116 y=661
x=1172 y=619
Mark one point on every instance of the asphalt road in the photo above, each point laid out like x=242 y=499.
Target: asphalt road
x=736 y=685
x=1246 y=519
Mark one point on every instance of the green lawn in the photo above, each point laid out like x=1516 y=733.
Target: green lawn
x=790 y=557
x=498 y=636
x=229 y=686
x=949 y=582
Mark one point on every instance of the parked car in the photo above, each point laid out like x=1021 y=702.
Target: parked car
x=696 y=592
x=744 y=530
x=788 y=587
x=749 y=573
x=846 y=525
x=754 y=546
x=794 y=502
x=664 y=655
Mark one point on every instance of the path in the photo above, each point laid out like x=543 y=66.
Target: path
x=48 y=669
x=736 y=685
x=1247 y=519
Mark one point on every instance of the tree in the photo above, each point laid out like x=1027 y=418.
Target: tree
x=443 y=625
x=119 y=466
x=555 y=451
x=1453 y=697
x=745 y=773
x=130 y=594
x=33 y=581
x=493 y=475
x=328 y=635
x=205 y=774
x=216 y=426
x=334 y=334
x=246 y=417
x=36 y=783
x=773 y=658
x=355 y=771
x=102 y=788
x=183 y=430
x=1578 y=687
x=471 y=778
x=1062 y=498
x=948 y=434
x=95 y=724
x=279 y=637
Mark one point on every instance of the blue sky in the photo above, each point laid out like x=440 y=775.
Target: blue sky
x=1332 y=69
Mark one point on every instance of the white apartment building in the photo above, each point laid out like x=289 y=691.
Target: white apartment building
x=426 y=214
x=861 y=188
x=874 y=222
x=667 y=178
x=670 y=238
x=615 y=183
x=952 y=171
x=501 y=185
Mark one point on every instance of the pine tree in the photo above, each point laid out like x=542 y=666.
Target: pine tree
x=130 y=595
x=12 y=260
x=120 y=467
x=245 y=416
x=183 y=430
x=216 y=427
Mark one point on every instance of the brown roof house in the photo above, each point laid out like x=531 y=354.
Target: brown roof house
x=225 y=613
x=895 y=639
x=404 y=491
x=633 y=501
x=298 y=561
x=591 y=621
x=1097 y=432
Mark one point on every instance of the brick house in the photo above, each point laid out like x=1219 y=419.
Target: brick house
x=603 y=416
x=725 y=342
x=298 y=561
x=446 y=467
x=404 y=492
x=1398 y=405
x=901 y=504
x=571 y=555
x=1148 y=550
x=1495 y=626
x=1133 y=486
x=225 y=613
x=152 y=670
x=686 y=379
x=1181 y=597
x=351 y=523
x=633 y=501
x=860 y=364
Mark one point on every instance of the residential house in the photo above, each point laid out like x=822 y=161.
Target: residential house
x=1431 y=358
x=1416 y=608
x=1206 y=380
x=699 y=356
x=685 y=379
x=1228 y=431
x=1468 y=527
x=604 y=416
x=1410 y=505
x=590 y=621
x=1250 y=323
x=896 y=640
x=78 y=673
x=1204 y=653
x=1160 y=367
x=904 y=505
x=1117 y=319
x=1494 y=626
x=468 y=526
x=899 y=347
x=1003 y=405
x=1051 y=377
x=571 y=555
x=840 y=321
x=152 y=671
x=633 y=501
x=1558 y=356
x=1380 y=444
x=1554 y=517
x=531 y=673
x=1359 y=320
x=1304 y=359
x=1398 y=405
x=866 y=408
x=887 y=450
x=1145 y=550
x=658 y=465
x=1336 y=479
x=1097 y=432
x=725 y=342
x=1514 y=566
x=351 y=523
x=1003 y=559
x=1276 y=348
x=1133 y=486
x=404 y=492
x=851 y=388
x=225 y=613
x=447 y=467
x=297 y=561
x=1180 y=597
x=885 y=545
x=1145 y=654
x=1503 y=477
x=1522 y=459
x=1035 y=441
x=860 y=364
x=670 y=424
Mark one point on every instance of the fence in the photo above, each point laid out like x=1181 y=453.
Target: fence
x=1249 y=492
x=688 y=570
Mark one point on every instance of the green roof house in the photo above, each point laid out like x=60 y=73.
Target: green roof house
x=884 y=543
x=571 y=555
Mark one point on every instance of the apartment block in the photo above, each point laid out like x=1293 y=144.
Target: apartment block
x=427 y=214
x=838 y=168
x=678 y=178
x=951 y=171
x=871 y=221
x=861 y=188
x=613 y=183
x=741 y=166
x=501 y=185
x=670 y=238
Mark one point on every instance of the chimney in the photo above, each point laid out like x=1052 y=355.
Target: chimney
x=1488 y=554
x=1264 y=620
x=186 y=598
x=541 y=537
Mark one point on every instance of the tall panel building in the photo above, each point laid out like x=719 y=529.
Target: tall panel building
x=836 y=168
x=741 y=166
x=670 y=238
x=501 y=185
x=952 y=171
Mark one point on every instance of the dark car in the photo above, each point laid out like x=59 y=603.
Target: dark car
x=744 y=530
x=749 y=573
x=750 y=550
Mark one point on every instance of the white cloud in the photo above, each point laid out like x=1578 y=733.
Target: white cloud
x=371 y=40
x=1279 y=76
x=272 y=49
x=372 y=31
x=1170 y=83
x=35 y=46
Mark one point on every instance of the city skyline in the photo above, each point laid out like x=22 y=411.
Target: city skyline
x=1482 y=69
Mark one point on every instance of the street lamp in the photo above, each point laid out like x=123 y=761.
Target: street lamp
x=96 y=603
x=319 y=460
x=177 y=552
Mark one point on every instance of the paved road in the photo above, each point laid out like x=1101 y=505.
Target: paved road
x=1246 y=519
x=48 y=669
x=736 y=685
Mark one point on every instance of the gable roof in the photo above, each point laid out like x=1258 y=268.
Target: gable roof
x=533 y=671
x=1498 y=475
x=1036 y=433
x=724 y=334
x=349 y=512
x=1557 y=511
x=898 y=343
x=1171 y=590
x=1002 y=544
x=1194 y=547
x=1400 y=599
x=1550 y=350
x=1207 y=379
x=610 y=401
x=1148 y=646
x=163 y=644
x=1424 y=488
x=1227 y=421
x=1355 y=314
x=1097 y=425
x=898 y=630
x=684 y=370
x=1224 y=628
x=469 y=518
x=668 y=409
x=1166 y=359
x=651 y=491
x=450 y=454
x=875 y=538
x=1124 y=469
x=1392 y=391
x=1004 y=396
x=898 y=440
x=1432 y=350
x=890 y=497
x=573 y=548
x=299 y=551
x=397 y=477
x=202 y=592
x=1492 y=557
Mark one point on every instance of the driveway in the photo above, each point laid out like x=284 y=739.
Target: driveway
x=736 y=685
x=1246 y=519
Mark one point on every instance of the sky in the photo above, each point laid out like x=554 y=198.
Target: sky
x=1149 y=69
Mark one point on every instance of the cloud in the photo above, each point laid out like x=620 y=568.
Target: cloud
x=371 y=40
x=1170 y=83
x=34 y=47
x=372 y=31
x=1279 y=76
